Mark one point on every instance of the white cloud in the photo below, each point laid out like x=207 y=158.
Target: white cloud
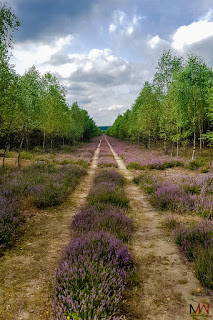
x=123 y=24
x=113 y=107
x=193 y=33
x=112 y=28
x=154 y=41
x=130 y=30
x=29 y=53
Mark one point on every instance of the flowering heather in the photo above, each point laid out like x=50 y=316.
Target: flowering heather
x=111 y=219
x=107 y=161
x=181 y=195
x=109 y=176
x=148 y=182
x=91 y=278
x=189 y=238
x=170 y=196
x=108 y=192
x=137 y=157
x=10 y=218
x=45 y=185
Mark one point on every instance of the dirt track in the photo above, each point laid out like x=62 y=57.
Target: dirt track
x=166 y=280
x=26 y=270
x=167 y=283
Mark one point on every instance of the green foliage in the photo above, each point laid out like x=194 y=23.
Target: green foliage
x=176 y=106
x=203 y=266
x=33 y=104
x=194 y=164
x=135 y=165
x=8 y=24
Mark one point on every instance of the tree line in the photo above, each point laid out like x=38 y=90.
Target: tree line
x=176 y=107
x=33 y=107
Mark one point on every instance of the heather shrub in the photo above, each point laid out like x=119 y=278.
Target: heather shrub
x=171 y=223
x=111 y=219
x=169 y=196
x=55 y=186
x=194 y=165
x=203 y=265
x=91 y=278
x=80 y=162
x=135 y=165
x=192 y=187
x=10 y=218
x=163 y=164
x=203 y=206
x=107 y=161
x=205 y=169
x=189 y=238
x=108 y=192
x=44 y=184
x=147 y=182
x=109 y=176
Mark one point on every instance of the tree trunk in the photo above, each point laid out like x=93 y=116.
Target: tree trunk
x=193 y=152
x=19 y=152
x=138 y=139
x=44 y=140
x=177 y=151
x=149 y=140
x=200 y=141
x=172 y=150
x=5 y=149
x=164 y=145
x=51 y=142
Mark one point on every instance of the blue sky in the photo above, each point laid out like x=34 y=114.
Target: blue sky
x=103 y=51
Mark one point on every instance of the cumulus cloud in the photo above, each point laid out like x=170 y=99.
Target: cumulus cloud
x=195 y=32
x=28 y=53
x=101 y=82
x=97 y=66
x=103 y=51
x=154 y=41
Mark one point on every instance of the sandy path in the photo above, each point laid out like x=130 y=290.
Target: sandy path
x=166 y=280
x=26 y=270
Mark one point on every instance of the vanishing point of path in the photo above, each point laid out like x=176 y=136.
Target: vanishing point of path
x=26 y=271
x=166 y=280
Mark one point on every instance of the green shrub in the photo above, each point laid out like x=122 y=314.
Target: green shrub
x=26 y=155
x=203 y=266
x=146 y=182
x=108 y=193
x=11 y=154
x=194 y=165
x=135 y=165
x=205 y=169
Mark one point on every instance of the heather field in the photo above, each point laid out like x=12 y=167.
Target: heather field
x=132 y=240
x=186 y=191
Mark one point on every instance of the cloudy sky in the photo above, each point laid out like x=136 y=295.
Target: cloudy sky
x=104 y=50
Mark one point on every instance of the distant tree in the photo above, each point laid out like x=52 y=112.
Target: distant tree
x=191 y=88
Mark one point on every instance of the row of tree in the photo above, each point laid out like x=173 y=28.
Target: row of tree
x=33 y=108
x=176 y=107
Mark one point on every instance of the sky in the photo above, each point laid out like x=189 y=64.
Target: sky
x=103 y=51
